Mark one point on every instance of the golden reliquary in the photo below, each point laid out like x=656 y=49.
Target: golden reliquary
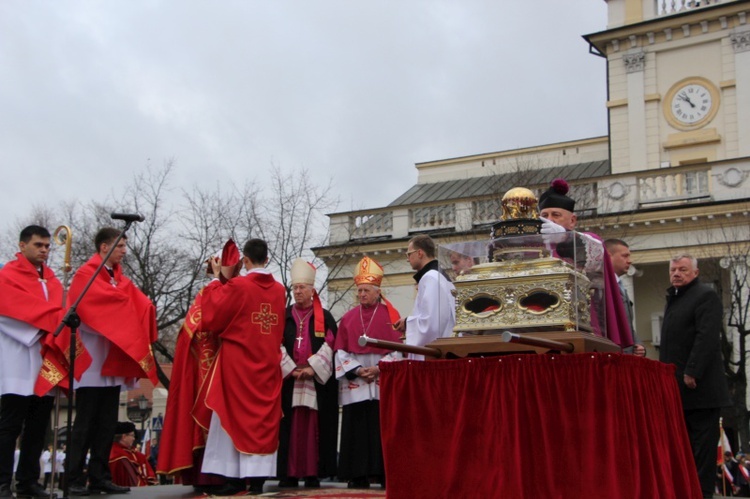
x=528 y=282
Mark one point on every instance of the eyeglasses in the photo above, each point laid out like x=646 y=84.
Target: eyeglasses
x=409 y=253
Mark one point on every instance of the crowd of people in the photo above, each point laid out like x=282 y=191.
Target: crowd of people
x=257 y=385
x=285 y=424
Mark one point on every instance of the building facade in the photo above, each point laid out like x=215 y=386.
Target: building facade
x=671 y=176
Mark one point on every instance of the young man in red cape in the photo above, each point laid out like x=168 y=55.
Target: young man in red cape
x=118 y=325
x=129 y=467
x=30 y=309
x=242 y=402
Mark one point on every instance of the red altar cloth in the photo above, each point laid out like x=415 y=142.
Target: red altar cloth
x=528 y=426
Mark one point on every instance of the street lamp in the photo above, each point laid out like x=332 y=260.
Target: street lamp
x=144 y=407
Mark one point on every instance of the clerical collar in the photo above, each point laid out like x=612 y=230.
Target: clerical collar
x=432 y=265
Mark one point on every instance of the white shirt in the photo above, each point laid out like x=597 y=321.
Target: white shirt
x=434 y=312
x=20 y=355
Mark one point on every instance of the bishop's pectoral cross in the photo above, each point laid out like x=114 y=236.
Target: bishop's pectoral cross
x=299 y=337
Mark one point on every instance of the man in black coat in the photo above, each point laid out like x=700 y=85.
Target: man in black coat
x=309 y=427
x=690 y=339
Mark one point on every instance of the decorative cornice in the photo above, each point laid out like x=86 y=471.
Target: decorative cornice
x=634 y=62
x=740 y=41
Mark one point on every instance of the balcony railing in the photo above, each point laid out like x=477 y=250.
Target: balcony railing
x=669 y=7
x=650 y=189
x=671 y=187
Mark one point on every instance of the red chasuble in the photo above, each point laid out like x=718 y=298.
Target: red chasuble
x=193 y=358
x=244 y=386
x=122 y=314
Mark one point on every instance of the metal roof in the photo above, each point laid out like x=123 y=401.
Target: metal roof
x=493 y=184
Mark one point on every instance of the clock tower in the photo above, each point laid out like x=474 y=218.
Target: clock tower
x=678 y=82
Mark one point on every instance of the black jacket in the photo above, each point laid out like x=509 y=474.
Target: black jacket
x=691 y=340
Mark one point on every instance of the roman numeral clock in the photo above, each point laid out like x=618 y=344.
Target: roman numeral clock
x=691 y=103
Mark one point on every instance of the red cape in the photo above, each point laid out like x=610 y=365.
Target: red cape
x=123 y=315
x=193 y=358
x=23 y=297
x=129 y=468
x=244 y=386
x=24 y=300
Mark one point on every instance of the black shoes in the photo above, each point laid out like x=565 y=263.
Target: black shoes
x=359 y=483
x=32 y=489
x=256 y=485
x=232 y=487
x=107 y=487
x=312 y=482
x=5 y=490
x=78 y=490
x=288 y=483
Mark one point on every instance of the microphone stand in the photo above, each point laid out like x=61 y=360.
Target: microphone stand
x=73 y=321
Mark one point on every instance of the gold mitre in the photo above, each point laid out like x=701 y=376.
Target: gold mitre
x=368 y=272
x=519 y=202
x=303 y=272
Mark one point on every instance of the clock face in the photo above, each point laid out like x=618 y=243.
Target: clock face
x=691 y=103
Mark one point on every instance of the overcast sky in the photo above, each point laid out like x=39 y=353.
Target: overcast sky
x=357 y=90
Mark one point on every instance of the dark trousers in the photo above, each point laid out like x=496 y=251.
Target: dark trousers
x=94 y=430
x=703 y=430
x=28 y=416
x=361 y=454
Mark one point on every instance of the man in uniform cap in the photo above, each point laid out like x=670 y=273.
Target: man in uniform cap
x=361 y=455
x=557 y=212
x=309 y=396
x=129 y=467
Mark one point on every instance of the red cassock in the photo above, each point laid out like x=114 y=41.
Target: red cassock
x=123 y=315
x=130 y=468
x=194 y=355
x=244 y=386
x=24 y=300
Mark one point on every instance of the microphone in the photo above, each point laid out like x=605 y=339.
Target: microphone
x=127 y=217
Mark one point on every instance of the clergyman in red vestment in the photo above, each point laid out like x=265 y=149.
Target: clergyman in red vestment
x=183 y=440
x=243 y=389
x=30 y=309
x=118 y=325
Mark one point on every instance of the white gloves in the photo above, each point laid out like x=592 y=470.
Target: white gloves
x=552 y=232
x=550 y=227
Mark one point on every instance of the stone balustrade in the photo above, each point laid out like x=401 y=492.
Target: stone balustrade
x=601 y=196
